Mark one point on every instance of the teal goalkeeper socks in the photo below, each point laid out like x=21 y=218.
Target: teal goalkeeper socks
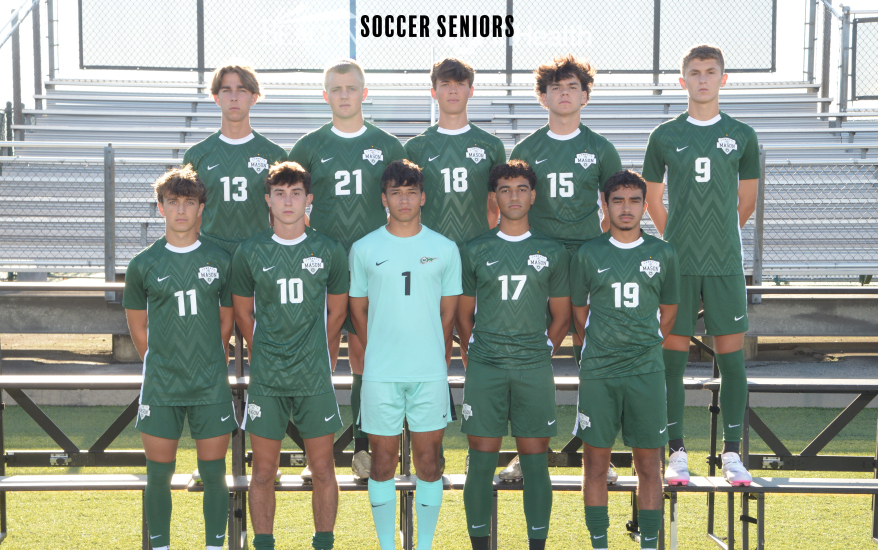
x=216 y=500
x=597 y=520
x=732 y=393
x=382 y=497
x=157 y=501
x=675 y=368
x=537 y=494
x=428 y=501
x=478 y=492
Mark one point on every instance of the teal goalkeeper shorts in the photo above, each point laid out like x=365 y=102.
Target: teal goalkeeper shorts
x=385 y=405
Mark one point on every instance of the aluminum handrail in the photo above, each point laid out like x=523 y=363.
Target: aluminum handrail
x=18 y=17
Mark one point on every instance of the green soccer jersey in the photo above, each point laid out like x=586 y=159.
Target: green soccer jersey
x=456 y=166
x=290 y=280
x=234 y=172
x=571 y=172
x=704 y=160
x=182 y=290
x=512 y=279
x=623 y=283
x=346 y=173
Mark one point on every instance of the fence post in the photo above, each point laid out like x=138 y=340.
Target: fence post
x=16 y=78
x=758 y=224
x=110 y=218
x=812 y=37
x=199 y=17
x=50 y=19
x=824 y=56
x=656 y=43
x=38 y=64
x=7 y=128
x=509 y=51
x=353 y=44
x=844 y=62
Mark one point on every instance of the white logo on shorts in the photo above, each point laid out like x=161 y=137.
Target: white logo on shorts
x=467 y=411
x=143 y=411
x=584 y=421
x=254 y=411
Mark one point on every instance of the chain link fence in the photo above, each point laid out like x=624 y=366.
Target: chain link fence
x=864 y=59
x=647 y=36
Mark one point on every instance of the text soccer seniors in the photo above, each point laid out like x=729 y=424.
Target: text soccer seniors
x=412 y=234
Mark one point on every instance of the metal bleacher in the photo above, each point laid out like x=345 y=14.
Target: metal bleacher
x=53 y=186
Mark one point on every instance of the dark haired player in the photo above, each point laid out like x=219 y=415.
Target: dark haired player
x=624 y=286
x=346 y=158
x=179 y=306
x=571 y=162
x=405 y=282
x=712 y=163
x=290 y=293
x=509 y=274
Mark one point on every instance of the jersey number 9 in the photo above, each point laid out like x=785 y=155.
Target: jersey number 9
x=702 y=168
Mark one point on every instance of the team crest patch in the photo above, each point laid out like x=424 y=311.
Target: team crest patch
x=312 y=264
x=427 y=259
x=254 y=411
x=538 y=261
x=477 y=154
x=258 y=164
x=143 y=411
x=373 y=155
x=650 y=267
x=467 y=411
x=585 y=160
x=584 y=422
x=208 y=273
x=727 y=144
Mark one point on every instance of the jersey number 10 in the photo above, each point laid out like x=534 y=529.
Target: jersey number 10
x=295 y=295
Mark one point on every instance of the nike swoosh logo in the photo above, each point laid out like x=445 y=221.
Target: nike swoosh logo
x=379 y=263
x=220 y=536
x=600 y=537
x=539 y=161
x=268 y=268
x=479 y=526
x=492 y=263
x=602 y=270
x=552 y=422
x=739 y=318
x=735 y=426
x=163 y=278
x=647 y=538
x=379 y=505
x=154 y=537
x=432 y=159
x=445 y=415
x=681 y=148
x=322 y=160
x=538 y=528
x=672 y=423
x=328 y=419
x=223 y=419
x=663 y=431
x=212 y=167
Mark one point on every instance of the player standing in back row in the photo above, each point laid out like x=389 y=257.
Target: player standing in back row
x=233 y=162
x=712 y=163
x=346 y=158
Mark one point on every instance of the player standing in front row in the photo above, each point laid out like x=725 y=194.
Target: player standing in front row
x=624 y=286
x=509 y=274
x=298 y=281
x=405 y=282
x=346 y=158
x=571 y=161
x=233 y=162
x=712 y=163
x=456 y=158
x=179 y=306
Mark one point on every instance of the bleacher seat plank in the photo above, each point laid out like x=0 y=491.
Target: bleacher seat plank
x=85 y=482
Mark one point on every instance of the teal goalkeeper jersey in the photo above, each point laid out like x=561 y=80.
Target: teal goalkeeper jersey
x=623 y=285
x=456 y=165
x=512 y=279
x=290 y=280
x=182 y=290
x=346 y=171
x=704 y=160
x=571 y=173
x=404 y=280
x=234 y=172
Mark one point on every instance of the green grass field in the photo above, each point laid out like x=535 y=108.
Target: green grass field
x=110 y=520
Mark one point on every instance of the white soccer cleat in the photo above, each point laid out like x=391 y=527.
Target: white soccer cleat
x=512 y=472
x=307 y=478
x=612 y=476
x=196 y=477
x=677 y=472
x=734 y=471
x=361 y=466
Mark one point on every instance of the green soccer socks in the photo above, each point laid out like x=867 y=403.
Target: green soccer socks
x=732 y=393
x=537 y=494
x=157 y=502
x=216 y=500
x=649 y=522
x=597 y=520
x=478 y=492
x=323 y=540
x=263 y=542
x=675 y=368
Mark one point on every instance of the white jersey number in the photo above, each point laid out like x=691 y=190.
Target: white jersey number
x=240 y=189
x=504 y=285
x=564 y=180
x=295 y=294
x=343 y=178
x=702 y=168
x=631 y=292
x=458 y=182
x=181 y=302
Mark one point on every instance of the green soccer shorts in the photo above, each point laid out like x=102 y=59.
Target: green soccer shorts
x=636 y=404
x=205 y=421
x=725 y=304
x=313 y=415
x=493 y=398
